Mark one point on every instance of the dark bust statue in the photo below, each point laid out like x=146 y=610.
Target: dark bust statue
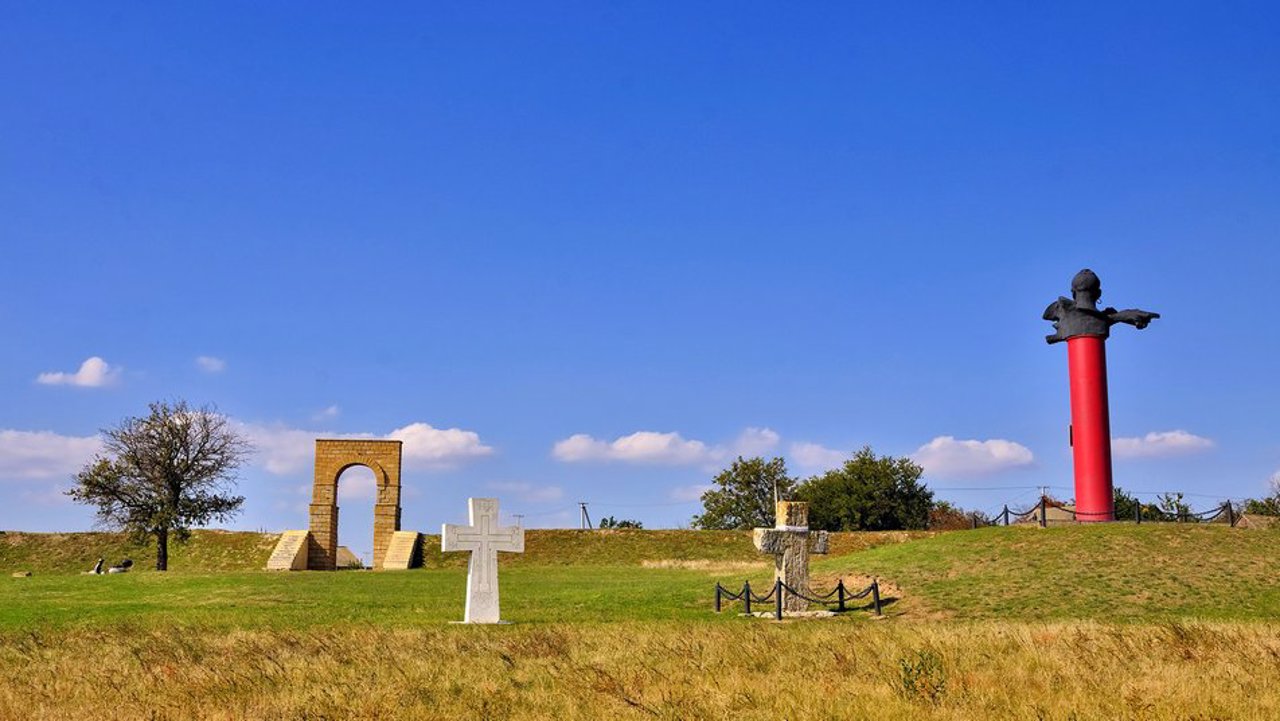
x=1079 y=315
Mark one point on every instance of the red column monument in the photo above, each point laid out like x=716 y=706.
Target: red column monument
x=1078 y=321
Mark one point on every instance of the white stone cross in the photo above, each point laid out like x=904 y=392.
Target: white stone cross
x=483 y=538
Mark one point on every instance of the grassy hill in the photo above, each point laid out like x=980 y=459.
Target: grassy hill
x=1101 y=572
x=72 y=553
x=219 y=551
x=1106 y=572
x=1014 y=623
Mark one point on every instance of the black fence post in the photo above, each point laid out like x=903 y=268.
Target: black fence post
x=1137 y=513
x=975 y=521
x=777 y=601
x=1231 y=514
x=1006 y=515
x=875 y=595
x=717 y=598
x=746 y=595
x=1044 y=520
x=840 y=594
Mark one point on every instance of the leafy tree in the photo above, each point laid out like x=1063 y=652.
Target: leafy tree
x=1171 y=504
x=164 y=474
x=946 y=516
x=744 y=495
x=1267 y=506
x=610 y=522
x=1125 y=504
x=868 y=493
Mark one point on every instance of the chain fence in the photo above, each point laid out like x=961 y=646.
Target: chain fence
x=1049 y=512
x=838 y=597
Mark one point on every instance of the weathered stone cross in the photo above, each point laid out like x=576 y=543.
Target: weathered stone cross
x=789 y=541
x=483 y=538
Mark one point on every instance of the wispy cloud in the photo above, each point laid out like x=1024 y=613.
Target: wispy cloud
x=327 y=414
x=93 y=373
x=283 y=450
x=210 y=364
x=1159 y=444
x=38 y=455
x=815 y=456
x=663 y=448
x=946 y=456
x=528 y=492
x=638 y=447
x=755 y=442
x=690 y=493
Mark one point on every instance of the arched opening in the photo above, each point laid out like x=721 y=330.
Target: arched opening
x=357 y=493
x=333 y=459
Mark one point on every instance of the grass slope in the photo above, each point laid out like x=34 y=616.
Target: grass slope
x=217 y=551
x=1103 y=572
x=73 y=553
x=994 y=623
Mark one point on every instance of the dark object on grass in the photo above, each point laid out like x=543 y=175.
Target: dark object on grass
x=121 y=567
x=97 y=568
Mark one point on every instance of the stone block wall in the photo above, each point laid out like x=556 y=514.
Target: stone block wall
x=332 y=458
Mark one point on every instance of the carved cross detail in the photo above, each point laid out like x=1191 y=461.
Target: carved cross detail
x=483 y=538
x=790 y=543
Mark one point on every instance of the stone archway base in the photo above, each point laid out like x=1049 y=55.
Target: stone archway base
x=317 y=548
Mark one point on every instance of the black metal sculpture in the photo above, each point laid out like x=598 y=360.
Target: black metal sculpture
x=1079 y=315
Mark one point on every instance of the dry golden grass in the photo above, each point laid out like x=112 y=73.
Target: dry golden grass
x=752 y=669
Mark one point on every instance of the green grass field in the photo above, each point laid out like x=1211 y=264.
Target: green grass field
x=1168 y=621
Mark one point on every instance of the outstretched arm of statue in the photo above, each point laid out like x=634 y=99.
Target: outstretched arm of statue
x=1133 y=316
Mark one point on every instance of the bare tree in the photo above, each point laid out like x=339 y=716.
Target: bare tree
x=165 y=474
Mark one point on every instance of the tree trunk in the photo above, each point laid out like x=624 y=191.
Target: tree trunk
x=162 y=550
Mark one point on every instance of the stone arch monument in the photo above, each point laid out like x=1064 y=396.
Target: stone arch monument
x=332 y=458
x=317 y=549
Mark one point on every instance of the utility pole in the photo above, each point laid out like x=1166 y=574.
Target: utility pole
x=584 y=517
x=519 y=519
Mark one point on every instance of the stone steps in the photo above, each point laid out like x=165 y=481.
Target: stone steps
x=404 y=551
x=290 y=553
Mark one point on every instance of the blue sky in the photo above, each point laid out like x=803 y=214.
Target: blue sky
x=762 y=228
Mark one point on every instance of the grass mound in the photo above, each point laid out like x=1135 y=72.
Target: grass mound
x=218 y=551
x=1119 y=571
x=71 y=553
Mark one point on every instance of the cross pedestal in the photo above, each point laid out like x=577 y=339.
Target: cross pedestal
x=483 y=538
x=791 y=543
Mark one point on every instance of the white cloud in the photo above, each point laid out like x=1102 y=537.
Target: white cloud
x=528 y=492
x=639 y=447
x=949 y=457
x=280 y=449
x=47 y=496
x=93 y=373
x=210 y=364
x=690 y=493
x=283 y=450
x=37 y=455
x=755 y=442
x=657 y=448
x=425 y=446
x=327 y=414
x=813 y=455
x=1158 y=444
